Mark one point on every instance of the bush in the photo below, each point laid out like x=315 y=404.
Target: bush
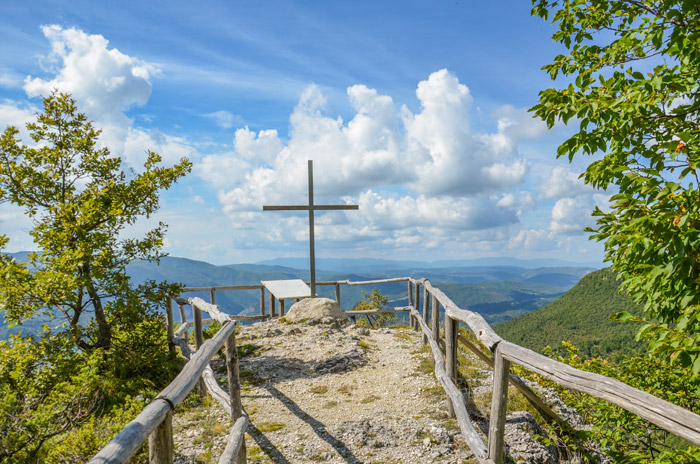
x=623 y=435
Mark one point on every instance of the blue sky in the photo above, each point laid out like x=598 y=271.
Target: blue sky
x=416 y=111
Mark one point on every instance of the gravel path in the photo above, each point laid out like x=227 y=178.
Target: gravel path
x=323 y=393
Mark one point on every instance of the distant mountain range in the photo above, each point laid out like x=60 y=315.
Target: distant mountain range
x=379 y=265
x=499 y=292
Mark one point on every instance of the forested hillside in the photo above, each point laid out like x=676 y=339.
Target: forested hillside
x=580 y=316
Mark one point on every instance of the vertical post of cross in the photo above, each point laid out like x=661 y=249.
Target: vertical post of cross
x=312 y=247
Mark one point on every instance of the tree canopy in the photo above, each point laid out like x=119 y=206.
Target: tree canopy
x=632 y=73
x=80 y=201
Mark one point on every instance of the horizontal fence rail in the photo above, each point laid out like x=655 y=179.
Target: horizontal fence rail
x=666 y=415
x=132 y=437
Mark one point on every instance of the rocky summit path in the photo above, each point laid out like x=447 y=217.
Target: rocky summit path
x=326 y=393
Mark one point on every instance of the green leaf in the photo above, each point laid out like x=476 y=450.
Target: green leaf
x=622 y=316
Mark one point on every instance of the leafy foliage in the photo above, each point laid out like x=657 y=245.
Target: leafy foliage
x=580 y=316
x=623 y=435
x=103 y=341
x=635 y=68
x=44 y=393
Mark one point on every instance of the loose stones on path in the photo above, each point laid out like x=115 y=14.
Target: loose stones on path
x=343 y=394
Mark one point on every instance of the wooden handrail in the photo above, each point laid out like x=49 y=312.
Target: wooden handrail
x=540 y=405
x=324 y=283
x=235 y=440
x=483 y=331
x=136 y=432
x=222 y=288
x=666 y=415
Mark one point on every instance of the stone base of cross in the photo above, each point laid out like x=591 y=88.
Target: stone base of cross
x=311 y=208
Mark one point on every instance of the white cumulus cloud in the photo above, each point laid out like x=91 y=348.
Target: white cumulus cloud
x=104 y=81
x=223 y=119
x=564 y=183
x=532 y=240
x=448 y=172
x=451 y=157
x=389 y=213
x=572 y=215
x=519 y=123
x=262 y=147
x=18 y=115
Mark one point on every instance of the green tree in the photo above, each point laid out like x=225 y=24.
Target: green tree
x=634 y=71
x=104 y=338
x=80 y=201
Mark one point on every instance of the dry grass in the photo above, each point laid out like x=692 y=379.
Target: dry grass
x=319 y=389
x=269 y=426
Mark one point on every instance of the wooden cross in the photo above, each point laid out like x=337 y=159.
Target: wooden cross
x=310 y=208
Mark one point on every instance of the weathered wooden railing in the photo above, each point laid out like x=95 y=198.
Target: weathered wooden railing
x=155 y=420
x=668 y=416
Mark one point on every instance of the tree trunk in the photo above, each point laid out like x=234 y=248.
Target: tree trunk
x=105 y=331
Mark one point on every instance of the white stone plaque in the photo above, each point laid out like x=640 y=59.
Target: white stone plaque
x=287 y=289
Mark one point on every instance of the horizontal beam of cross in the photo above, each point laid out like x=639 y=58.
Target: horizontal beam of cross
x=306 y=208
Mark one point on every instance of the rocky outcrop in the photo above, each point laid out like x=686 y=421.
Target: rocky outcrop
x=315 y=310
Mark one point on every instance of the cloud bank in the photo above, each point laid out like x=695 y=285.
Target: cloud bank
x=419 y=173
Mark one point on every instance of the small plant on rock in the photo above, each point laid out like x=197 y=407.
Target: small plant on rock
x=374 y=300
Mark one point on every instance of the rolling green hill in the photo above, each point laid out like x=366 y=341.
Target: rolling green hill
x=580 y=316
x=501 y=301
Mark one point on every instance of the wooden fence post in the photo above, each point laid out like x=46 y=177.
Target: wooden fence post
x=451 y=327
x=160 y=442
x=435 y=316
x=198 y=340
x=169 y=315
x=212 y=293
x=234 y=388
x=337 y=294
x=183 y=319
x=273 y=306
x=499 y=400
x=417 y=306
x=262 y=301
x=425 y=310
x=410 y=302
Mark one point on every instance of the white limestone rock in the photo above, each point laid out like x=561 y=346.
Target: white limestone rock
x=316 y=310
